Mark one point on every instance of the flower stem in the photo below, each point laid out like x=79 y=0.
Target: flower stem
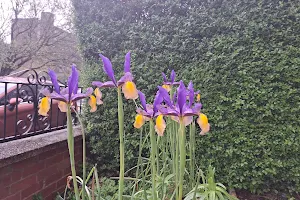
x=71 y=151
x=153 y=155
x=182 y=158
x=121 y=135
x=176 y=160
x=192 y=155
x=83 y=156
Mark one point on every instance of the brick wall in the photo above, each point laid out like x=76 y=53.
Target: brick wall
x=41 y=173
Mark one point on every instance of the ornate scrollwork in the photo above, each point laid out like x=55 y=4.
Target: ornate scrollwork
x=37 y=77
x=21 y=104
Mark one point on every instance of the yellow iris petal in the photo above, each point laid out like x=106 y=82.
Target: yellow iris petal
x=198 y=97
x=93 y=103
x=98 y=95
x=62 y=106
x=203 y=123
x=167 y=87
x=139 y=121
x=129 y=90
x=44 y=106
x=160 y=125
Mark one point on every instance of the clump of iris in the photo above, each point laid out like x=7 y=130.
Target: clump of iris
x=67 y=96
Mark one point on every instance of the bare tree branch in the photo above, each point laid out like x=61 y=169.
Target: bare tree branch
x=36 y=43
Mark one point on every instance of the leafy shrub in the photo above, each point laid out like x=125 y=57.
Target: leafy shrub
x=243 y=55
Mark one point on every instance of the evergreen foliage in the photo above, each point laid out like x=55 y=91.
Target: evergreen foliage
x=244 y=56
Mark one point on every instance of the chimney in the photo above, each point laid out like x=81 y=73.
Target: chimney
x=47 y=19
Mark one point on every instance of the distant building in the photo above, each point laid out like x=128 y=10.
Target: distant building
x=46 y=45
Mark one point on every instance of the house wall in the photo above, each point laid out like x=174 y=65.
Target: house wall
x=57 y=48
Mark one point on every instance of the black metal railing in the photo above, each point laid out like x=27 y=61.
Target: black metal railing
x=19 y=100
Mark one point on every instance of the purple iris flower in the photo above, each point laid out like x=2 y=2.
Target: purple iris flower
x=180 y=107
x=171 y=81
x=148 y=112
x=65 y=96
x=126 y=81
x=69 y=94
x=167 y=84
x=192 y=93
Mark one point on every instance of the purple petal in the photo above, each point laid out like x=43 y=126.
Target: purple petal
x=103 y=85
x=150 y=110
x=181 y=96
x=73 y=80
x=167 y=111
x=172 y=76
x=190 y=86
x=142 y=100
x=127 y=77
x=127 y=63
x=144 y=113
x=107 y=67
x=89 y=91
x=53 y=77
x=197 y=108
x=191 y=93
x=188 y=112
x=97 y=84
x=164 y=77
x=76 y=89
x=168 y=83
x=164 y=93
x=56 y=96
x=157 y=101
x=46 y=92
x=64 y=91
x=79 y=96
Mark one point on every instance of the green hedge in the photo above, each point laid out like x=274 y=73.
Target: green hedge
x=243 y=55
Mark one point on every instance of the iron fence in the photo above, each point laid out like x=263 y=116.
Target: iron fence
x=19 y=100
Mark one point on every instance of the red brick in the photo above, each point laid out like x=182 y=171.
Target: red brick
x=16 y=176
x=47 y=154
x=16 y=196
x=67 y=170
x=23 y=184
x=54 y=159
x=53 y=178
x=4 y=191
x=62 y=149
x=47 y=172
x=50 y=189
x=64 y=163
x=5 y=170
x=62 y=182
x=33 y=169
x=78 y=158
x=78 y=150
x=66 y=154
x=5 y=180
x=19 y=166
x=33 y=189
